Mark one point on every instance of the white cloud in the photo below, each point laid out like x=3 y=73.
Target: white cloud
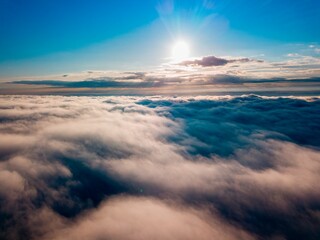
x=147 y=218
x=209 y=165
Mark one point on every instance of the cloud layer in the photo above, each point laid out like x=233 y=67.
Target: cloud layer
x=159 y=168
x=206 y=75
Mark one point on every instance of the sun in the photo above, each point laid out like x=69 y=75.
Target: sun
x=180 y=50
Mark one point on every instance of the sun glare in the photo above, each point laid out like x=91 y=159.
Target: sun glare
x=180 y=50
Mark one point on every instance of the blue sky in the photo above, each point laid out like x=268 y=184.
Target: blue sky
x=40 y=37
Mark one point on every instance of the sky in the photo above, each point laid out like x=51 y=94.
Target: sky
x=44 y=38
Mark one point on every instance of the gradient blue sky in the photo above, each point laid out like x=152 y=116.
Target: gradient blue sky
x=40 y=37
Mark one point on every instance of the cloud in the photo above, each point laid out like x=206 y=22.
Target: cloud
x=293 y=55
x=238 y=80
x=168 y=85
x=210 y=61
x=94 y=83
x=198 y=76
x=159 y=167
x=147 y=218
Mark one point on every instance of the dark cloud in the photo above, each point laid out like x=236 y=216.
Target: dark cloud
x=206 y=62
x=159 y=168
x=210 y=61
x=149 y=82
x=94 y=83
x=231 y=79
